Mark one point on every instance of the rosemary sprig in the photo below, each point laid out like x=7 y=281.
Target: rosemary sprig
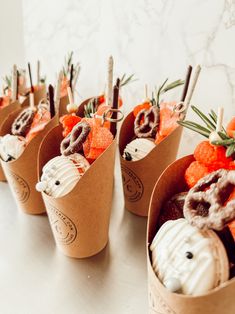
x=165 y=88
x=90 y=108
x=126 y=80
x=210 y=122
x=67 y=63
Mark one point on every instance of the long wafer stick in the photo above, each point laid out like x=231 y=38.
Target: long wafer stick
x=109 y=94
x=31 y=101
x=220 y=116
x=38 y=73
x=192 y=86
x=14 y=83
x=70 y=95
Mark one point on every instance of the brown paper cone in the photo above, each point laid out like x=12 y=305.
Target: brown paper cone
x=80 y=219
x=21 y=173
x=4 y=113
x=139 y=177
x=63 y=105
x=39 y=94
x=218 y=301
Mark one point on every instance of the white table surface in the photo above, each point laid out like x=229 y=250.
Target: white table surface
x=35 y=278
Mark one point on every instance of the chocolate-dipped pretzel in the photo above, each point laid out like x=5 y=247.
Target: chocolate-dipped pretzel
x=73 y=142
x=212 y=192
x=23 y=122
x=150 y=124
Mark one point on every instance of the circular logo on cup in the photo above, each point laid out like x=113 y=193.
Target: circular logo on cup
x=20 y=187
x=133 y=187
x=64 y=229
x=157 y=304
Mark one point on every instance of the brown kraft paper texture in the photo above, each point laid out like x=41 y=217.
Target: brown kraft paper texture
x=161 y=301
x=4 y=113
x=80 y=219
x=139 y=177
x=21 y=173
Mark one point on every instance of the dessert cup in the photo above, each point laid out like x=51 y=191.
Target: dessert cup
x=139 y=176
x=80 y=219
x=21 y=173
x=217 y=301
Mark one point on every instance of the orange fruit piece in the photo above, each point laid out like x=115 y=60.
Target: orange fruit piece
x=195 y=172
x=97 y=140
x=231 y=128
x=168 y=121
x=101 y=100
x=145 y=105
x=68 y=121
x=212 y=156
x=40 y=120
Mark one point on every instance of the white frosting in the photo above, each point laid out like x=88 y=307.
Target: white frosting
x=208 y=267
x=138 y=148
x=11 y=147
x=61 y=174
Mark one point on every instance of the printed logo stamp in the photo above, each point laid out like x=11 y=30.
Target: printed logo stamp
x=132 y=185
x=20 y=187
x=157 y=305
x=64 y=229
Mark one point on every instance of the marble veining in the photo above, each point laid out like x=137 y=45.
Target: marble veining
x=154 y=39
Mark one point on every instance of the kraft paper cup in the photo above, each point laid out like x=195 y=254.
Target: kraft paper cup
x=63 y=105
x=217 y=301
x=39 y=94
x=4 y=113
x=139 y=177
x=21 y=173
x=80 y=219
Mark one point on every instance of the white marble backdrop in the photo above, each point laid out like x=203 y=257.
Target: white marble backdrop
x=154 y=39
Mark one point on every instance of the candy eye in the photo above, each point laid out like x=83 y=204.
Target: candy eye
x=57 y=182
x=136 y=149
x=189 y=255
x=128 y=156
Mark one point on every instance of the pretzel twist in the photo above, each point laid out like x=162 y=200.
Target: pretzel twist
x=73 y=142
x=150 y=124
x=23 y=122
x=213 y=193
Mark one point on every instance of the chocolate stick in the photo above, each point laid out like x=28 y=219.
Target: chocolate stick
x=71 y=78
x=30 y=78
x=186 y=83
x=51 y=100
x=17 y=83
x=113 y=126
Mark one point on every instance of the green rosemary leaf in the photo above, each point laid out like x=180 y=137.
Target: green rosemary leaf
x=194 y=128
x=224 y=136
x=90 y=108
x=226 y=142
x=210 y=124
x=159 y=91
x=124 y=81
x=230 y=150
x=172 y=85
